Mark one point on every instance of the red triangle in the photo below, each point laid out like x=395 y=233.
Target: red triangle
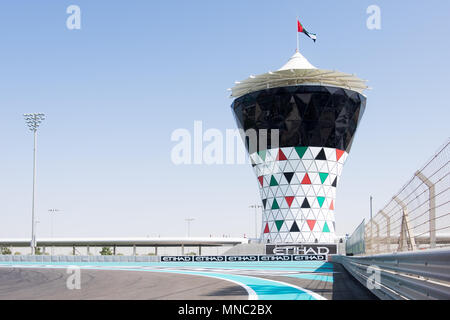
x=339 y=154
x=266 y=229
x=332 y=205
x=281 y=156
x=306 y=179
x=311 y=224
x=261 y=180
x=289 y=200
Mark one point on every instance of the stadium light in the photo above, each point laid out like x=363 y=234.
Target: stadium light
x=33 y=121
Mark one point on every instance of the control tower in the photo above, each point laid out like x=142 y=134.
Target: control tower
x=313 y=115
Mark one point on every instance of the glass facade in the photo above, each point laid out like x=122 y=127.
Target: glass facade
x=314 y=116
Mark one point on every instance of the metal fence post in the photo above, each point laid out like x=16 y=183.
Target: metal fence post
x=406 y=232
x=378 y=236
x=388 y=229
x=432 y=207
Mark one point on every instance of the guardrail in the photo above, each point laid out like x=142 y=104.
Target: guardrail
x=421 y=275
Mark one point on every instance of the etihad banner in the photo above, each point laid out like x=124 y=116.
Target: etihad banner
x=301 y=249
x=249 y=258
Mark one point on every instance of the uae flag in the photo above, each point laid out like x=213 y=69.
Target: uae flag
x=313 y=36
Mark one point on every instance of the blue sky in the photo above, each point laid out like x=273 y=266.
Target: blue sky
x=115 y=90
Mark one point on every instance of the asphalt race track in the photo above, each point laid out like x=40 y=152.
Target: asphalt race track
x=180 y=281
x=21 y=283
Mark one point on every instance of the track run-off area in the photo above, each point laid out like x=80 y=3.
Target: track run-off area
x=288 y=280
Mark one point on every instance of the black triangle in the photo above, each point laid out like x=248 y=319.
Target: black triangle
x=334 y=184
x=305 y=204
x=288 y=176
x=321 y=155
x=294 y=227
x=264 y=203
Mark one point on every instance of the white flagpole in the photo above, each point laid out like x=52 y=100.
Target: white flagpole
x=298 y=43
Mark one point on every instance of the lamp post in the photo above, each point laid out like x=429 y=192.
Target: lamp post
x=33 y=120
x=256 y=206
x=189 y=220
x=35 y=232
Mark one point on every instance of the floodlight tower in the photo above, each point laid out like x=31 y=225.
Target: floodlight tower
x=33 y=121
x=314 y=114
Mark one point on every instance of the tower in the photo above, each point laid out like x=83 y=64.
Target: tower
x=313 y=115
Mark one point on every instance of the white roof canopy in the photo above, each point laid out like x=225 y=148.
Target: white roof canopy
x=297 y=61
x=298 y=71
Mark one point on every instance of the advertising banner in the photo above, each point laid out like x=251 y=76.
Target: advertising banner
x=248 y=258
x=301 y=249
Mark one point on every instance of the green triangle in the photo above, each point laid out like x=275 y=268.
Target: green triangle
x=325 y=228
x=273 y=182
x=279 y=223
x=301 y=151
x=323 y=176
x=321 y=200
x=262 y=155
x=275 y=204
